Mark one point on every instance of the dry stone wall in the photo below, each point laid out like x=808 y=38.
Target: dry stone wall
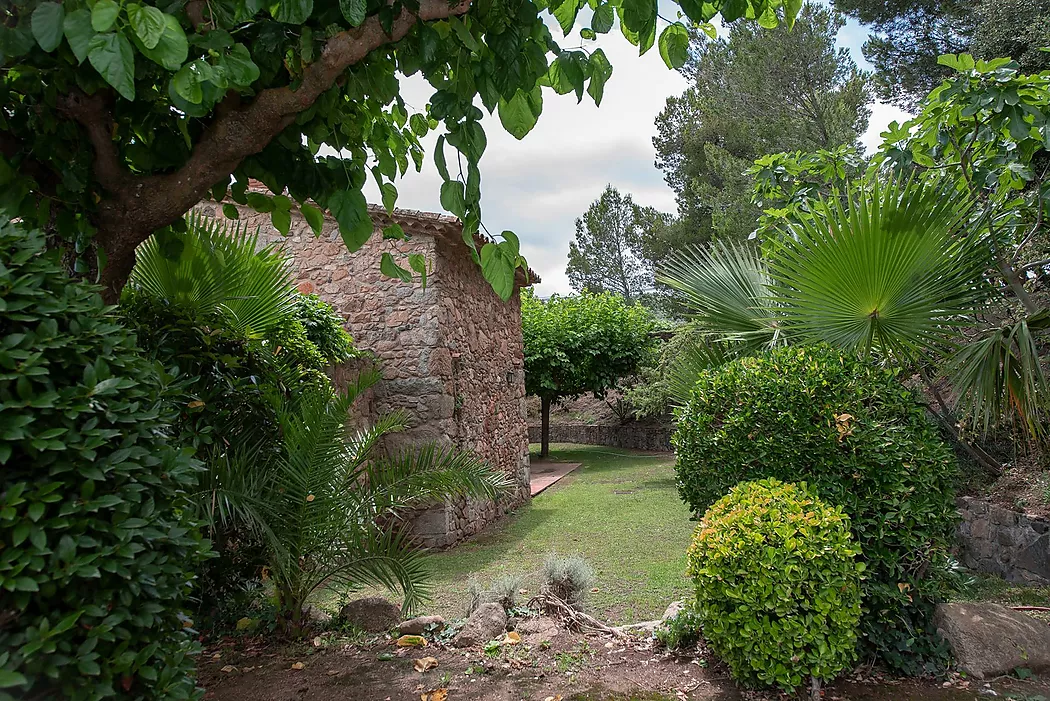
x=1010 y=544
x=635 y=435
x=450 y=355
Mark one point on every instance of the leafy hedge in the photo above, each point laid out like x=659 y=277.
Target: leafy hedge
x=94 y=561
x=777 y=584
x=857 y=436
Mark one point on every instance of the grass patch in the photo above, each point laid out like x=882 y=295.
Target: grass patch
x=618 y=510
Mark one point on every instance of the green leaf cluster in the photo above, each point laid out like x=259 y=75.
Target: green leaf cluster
x=97 y=561
x=160 y=70
x=862 y=442
x=777 y=584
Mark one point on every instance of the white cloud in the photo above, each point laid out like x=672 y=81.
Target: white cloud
x=537 y=187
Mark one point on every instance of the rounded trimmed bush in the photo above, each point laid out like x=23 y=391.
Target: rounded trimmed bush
x=95 y=562
x=862 y=441
x=777 y=584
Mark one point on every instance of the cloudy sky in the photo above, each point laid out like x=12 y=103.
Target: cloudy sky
x=537 y=187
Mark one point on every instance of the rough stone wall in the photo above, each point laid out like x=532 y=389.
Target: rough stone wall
x=450 y=355
x=1010 y=544
x=633 y=435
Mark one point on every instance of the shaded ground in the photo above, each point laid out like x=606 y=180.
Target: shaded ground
x=572 y=668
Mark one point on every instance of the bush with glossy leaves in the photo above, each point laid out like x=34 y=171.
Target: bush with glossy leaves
x=777 y=584
x=96 y=562
x=862 y=441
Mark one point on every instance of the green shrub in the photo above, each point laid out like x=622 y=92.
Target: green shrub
x=860 y=439
x=324 y=328
x=94 y=561
x=777 y=584
x=682 y=631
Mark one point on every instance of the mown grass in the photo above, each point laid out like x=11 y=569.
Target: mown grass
x=618 y=510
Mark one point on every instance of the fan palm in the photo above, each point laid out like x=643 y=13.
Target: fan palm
x=217 y=268
x=887 y=267
x=328 y=507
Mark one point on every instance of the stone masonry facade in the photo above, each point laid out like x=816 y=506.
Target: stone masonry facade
x=451 y=355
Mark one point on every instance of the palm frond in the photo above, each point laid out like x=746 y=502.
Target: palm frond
x=1000 y=375
x=891 y=269
x=217 y=268
x=429 y=474
x=726 y=290
x=687 y=367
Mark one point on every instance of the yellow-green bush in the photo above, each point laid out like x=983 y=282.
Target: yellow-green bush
x=777 y=584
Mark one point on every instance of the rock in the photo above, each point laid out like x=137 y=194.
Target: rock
x=419 y=625
x=317 y=615
x=989 y=640
x=373 y=614
x=673 y=609
x=537 y=630
x=487 y=622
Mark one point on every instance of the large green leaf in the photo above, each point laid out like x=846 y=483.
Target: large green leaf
x=519 y=114
x=674 y=45
x=79 y=32
x=350 y=210
x=148 y=23
x=114 y=58
x=104 y=15
x=498 y=269
x=172 y=48
x=46 y=24
x=354 y=11
x=292 y=11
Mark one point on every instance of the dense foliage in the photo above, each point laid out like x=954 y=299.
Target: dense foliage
x=96 y=563
x=120 y=117
x=979 y=141
x=575 y=345
x=211 y=305
x=862 y=441
x=777 y=584
x=754 y=92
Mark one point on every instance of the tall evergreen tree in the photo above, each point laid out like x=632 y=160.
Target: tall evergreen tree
x=606 y=255
x=755 y=92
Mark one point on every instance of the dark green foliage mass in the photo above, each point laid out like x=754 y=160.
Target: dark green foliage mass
x=96 y=563
x=861 y=440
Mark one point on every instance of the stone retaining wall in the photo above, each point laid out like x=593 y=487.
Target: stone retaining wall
x=636 y=436
x=1010 y=544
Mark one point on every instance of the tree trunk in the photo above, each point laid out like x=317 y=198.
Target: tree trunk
x=814 y=689
x=545 y=426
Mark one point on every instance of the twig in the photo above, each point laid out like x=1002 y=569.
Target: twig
x=1030 y=608
x=555 y=606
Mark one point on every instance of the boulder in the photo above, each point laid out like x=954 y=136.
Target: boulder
x=989 y=640
x=373 y=614
x=420 y=624
x=486 y=623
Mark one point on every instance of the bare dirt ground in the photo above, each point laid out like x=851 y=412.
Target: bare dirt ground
x=572 y=667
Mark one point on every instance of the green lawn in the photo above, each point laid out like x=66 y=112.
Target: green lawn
x=618 y=510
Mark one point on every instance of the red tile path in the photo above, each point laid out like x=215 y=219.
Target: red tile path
x=544 y=473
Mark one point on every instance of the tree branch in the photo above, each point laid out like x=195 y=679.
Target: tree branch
x=139 y=205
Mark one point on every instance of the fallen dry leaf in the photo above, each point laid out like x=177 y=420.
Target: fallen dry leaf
x=298 y=665
x=435 y=695
x=512 y=638
x=317 y=641
x=229 y=668
x=556 y=697
x=411 y=641
x=425 y=663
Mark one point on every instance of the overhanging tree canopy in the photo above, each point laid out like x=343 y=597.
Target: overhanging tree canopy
x=118 y=117
x=575 y=345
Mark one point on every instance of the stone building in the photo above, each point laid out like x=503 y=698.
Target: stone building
x=451 y=355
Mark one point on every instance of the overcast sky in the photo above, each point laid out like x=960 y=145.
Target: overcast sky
x=537 y=187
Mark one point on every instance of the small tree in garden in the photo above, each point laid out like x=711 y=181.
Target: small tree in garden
x=575 y=345
x=120 y=116
x=327 y=505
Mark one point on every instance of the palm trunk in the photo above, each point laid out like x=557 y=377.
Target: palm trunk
x=545 y=426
